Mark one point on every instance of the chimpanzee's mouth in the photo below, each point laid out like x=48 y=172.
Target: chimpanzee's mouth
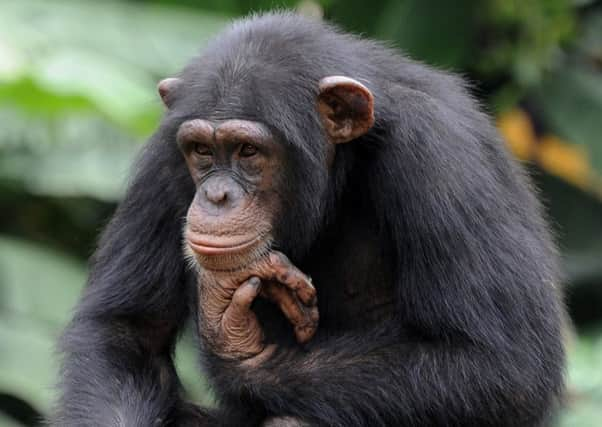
x=212 y=246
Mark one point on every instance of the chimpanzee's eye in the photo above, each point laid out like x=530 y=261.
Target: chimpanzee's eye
x=202 y=149
x=248 y=150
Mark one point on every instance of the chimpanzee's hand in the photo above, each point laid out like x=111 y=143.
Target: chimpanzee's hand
x=225 y=317
x=290 y=289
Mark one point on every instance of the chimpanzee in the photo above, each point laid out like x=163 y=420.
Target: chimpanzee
x=347 y=231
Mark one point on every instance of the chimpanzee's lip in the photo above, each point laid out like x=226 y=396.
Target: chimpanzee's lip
x=215 y=246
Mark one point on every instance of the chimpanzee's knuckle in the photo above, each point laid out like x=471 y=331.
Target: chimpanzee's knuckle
x=278 y=259
x=254 y=281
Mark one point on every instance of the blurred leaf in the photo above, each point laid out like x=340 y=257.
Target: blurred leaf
x=521 y=39
x=439 y=32
x=590 y=42
x=565 y=160
x=74 y=155
x=571 y=102
x=188 y=367
x=36 y=100
x=109 y=54
x=37 y=284
x=517 y=129
x=156 y=38
x=584 y=405
x=27 y=365
x=359 y=16
x=123 y=93
x=12 y=62
x=5 y=421
x=38 y=289
x=556 y=156
x=436 y=31
x=584 y=355
x=577 y=222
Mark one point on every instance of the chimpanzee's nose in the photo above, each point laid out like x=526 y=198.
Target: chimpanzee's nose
x=219 y=194
x=216 y=194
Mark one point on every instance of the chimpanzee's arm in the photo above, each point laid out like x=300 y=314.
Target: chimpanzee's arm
x=118 y=368
x=506 y=373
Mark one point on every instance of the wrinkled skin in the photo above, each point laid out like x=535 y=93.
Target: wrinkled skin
x=226 y=320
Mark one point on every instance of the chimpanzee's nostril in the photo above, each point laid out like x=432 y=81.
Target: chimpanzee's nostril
x=217 y=196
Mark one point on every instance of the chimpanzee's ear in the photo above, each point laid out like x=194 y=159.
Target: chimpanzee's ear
x=165 y=88
x=346 y=107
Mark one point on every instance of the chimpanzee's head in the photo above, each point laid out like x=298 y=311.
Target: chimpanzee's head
x=258 y=126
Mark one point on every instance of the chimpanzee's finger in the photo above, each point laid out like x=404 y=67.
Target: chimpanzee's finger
x=287 y=303
x=305 y=332
x=304 y=319
x=242 y=335
x=243 y=297
x=283 y=271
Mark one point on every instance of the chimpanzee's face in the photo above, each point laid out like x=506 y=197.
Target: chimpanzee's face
x=237 y=167
x=240 y=171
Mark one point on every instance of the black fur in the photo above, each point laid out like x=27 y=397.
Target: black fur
x=427 y=208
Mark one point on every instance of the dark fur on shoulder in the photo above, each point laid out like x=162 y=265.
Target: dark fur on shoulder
x=428 y=204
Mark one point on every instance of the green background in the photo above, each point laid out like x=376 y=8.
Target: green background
x=77 y=99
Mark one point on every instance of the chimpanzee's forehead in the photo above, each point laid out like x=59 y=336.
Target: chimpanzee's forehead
x=247 y=93
x=223 y=131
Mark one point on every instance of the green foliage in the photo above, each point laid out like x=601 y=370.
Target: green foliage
x=38 y=289
x=69 y=155
x=106 y=55
x=571 y=101
x=585 y=396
